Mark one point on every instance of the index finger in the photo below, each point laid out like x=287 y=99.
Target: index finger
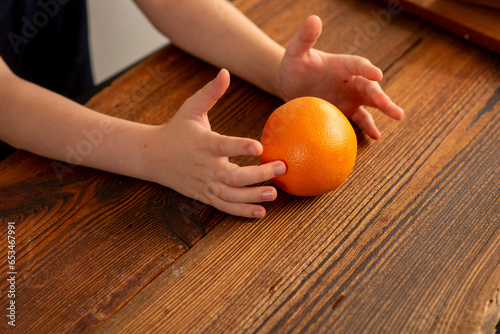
x=376 y=97
x=226 y=146
x=357 y=65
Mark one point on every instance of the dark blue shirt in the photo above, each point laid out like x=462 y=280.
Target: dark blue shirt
x=46 y=42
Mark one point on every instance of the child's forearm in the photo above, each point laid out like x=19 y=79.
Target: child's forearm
x=183 y=154
x=215 y=31
x=42 y=122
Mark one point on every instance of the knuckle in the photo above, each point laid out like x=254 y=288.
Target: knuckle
x=212 y=188
x=202 y=197
x=220 y=147
x=226 y=172
x=265 y=172
x=233 y=178
x=208 y=91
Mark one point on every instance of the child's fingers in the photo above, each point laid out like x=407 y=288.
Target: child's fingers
x=236 y=176
x=372 y=90
x=203 y=100
x=356 y=65
x=237 y=209
x=226 y=146
x=376 y=97
x=254 y=174
x=365 y=121
x=306 y=38
x=393 y=110
x=241 y=194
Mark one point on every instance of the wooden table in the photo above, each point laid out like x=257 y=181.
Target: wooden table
x=467 y=19
x=409 y=243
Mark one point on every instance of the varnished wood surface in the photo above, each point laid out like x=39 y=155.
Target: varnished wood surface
x=410 y=243
x=485 y=3
x=467 y=19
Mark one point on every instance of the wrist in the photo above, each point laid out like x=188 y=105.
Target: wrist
x=154 y=149
x=121 y=149
x=272 y=73
x=138 y=153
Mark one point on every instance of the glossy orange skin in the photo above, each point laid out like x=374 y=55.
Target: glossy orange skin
x=316 y=142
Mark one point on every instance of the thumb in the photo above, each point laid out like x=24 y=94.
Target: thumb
x=198 y=105
x=306 y=38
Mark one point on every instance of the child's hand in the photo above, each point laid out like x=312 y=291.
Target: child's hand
x=193 y=160
x=348 y=82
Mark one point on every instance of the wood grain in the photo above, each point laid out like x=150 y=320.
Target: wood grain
x=409 y=244
x=89 y=241
x=485 y=3
x=478 y=24
x=86 y=246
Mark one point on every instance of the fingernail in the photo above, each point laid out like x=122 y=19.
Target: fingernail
x=279 y=170
x=258 y=214
x=267 y=195
x=218 y=76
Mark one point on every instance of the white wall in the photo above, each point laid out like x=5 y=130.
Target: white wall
x=120 y=35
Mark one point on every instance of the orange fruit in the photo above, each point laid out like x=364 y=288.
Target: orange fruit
x=315 y=141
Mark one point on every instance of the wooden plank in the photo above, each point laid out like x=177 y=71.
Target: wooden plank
x=87 y=245
x=410 y=243
x=89 y=241
x=485 y=3
x=478 y=24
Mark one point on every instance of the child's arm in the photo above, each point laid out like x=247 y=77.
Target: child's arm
x=40 y=121
x=217 y=32
x=182 y=154
x=214 y=30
